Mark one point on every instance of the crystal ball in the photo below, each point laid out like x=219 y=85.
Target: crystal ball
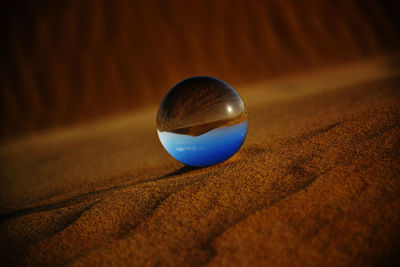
x=202 y=121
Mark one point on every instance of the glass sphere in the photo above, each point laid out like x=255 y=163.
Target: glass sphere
x=202 y=121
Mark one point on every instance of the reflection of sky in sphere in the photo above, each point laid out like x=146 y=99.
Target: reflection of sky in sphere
x=210 y=148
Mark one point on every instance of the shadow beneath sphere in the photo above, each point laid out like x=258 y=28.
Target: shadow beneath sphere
x=183 y=170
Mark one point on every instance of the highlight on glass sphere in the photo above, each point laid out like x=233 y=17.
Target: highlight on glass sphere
x=202 y=121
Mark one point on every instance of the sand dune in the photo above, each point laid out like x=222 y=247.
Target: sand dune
x=75 y=61
x=316 y=183
x=85 y=181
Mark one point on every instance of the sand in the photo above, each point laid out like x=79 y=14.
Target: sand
x=315 y=183
x=74 y=61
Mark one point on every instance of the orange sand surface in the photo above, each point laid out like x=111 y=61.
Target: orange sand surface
x=69 y=62
x=316 y=182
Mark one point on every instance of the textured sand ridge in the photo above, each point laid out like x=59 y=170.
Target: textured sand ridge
x=73 y=61
x=316 y=182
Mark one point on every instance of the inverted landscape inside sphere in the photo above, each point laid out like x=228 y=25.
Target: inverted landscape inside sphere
x=202 y=121
x=210 y=148
x=199 y=104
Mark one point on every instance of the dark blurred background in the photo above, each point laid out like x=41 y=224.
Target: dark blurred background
x=68 y=62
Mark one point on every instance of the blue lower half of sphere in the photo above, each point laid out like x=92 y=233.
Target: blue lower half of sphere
x=210 y=148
